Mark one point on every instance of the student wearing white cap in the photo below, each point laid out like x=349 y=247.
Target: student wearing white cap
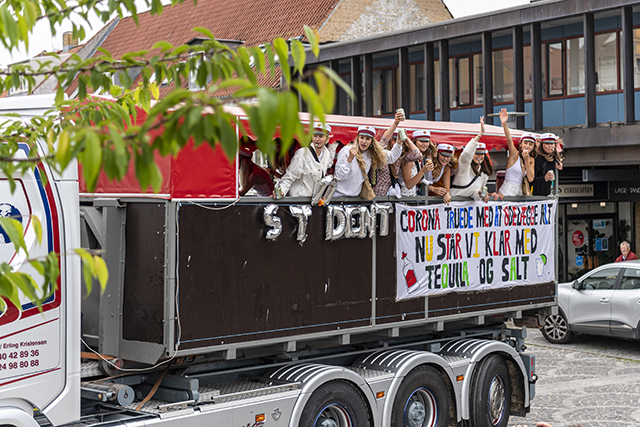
x=548 y=160
x=474 y=168
x=309 y=165
x=416 y=172
x=520 y=163
x=381 y=179
x=356 y=160
x=444 y=164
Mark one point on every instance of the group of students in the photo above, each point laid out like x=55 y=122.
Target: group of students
x=416 y=166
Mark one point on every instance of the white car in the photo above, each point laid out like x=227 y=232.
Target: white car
x=605 y=301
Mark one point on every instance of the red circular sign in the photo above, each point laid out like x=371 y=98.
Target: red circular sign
x=578 y=238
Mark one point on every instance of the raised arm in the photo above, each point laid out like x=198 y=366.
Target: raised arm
x=470 y=149
x=513 y=151
x=389 y=132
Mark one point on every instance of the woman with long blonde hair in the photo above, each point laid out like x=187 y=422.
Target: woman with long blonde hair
x=356 y=160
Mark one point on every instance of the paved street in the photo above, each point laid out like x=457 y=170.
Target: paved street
x=594 y=381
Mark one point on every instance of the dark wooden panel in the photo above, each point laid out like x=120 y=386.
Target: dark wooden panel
x=236 y=286
x=387 y=309
x=467 y=302
x=143 y=296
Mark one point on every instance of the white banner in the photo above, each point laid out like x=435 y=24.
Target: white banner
x=473 y=246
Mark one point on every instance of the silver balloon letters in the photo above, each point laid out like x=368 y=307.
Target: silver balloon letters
x=336 y=223
x=302 y=213
x=357 y=221
x=323 y=191
x=271 y=220
x=347 y=222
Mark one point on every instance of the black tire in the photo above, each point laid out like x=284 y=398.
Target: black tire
x=490 y=393
x=556 y=329
x=336 y=403
x=422 y=400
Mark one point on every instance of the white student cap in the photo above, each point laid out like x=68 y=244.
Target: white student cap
x=367 y=131
x=446 y=149
x=318 y=128
x=529 y=135
x=481 y=148
x=422 y=135
x=548 y=138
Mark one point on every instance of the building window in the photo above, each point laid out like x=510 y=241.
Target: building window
x=344 y=102
x=478 y=75
x=528 y=73
x=554 y=70
x=636 y=57
x=460 y=81
x=453 y=102
x=575 y=66
x=464 y=81
x=416 y=72
x=383 y=91
x=503 y=75
x=436 y=83
x=606 y=48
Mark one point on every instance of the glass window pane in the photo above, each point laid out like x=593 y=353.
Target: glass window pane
x=604 y=279
x=556 y=86
x=503 y=75
x=452 y=82
x=417 y=87
x=636 y=58
x=464 y=82
x=478 y=92
x=528 y=73
x=377 y=93
x=436 y=83
x=397 y=92
x=544 y=70
x=344 y=102
x=575 y=66
x=606 y=62
x=388 y=91
x=621 y=56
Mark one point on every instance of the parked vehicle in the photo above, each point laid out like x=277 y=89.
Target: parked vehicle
x=605 y=301
x=229 y=311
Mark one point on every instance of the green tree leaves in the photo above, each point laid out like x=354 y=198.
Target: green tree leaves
x=130 y=110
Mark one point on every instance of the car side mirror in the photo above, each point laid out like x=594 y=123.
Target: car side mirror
x=576 y=285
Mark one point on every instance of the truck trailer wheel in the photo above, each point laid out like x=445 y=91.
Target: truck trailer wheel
x=422 y=400
x=556 y=329
x=335 y=404
x=491 y=394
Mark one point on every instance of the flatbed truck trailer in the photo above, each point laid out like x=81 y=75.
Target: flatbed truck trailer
x=229 y=311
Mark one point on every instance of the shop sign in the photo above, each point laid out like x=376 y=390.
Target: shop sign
x=624 y=190
x=575 y=190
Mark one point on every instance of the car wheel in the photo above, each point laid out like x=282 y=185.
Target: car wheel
x=556 y=329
